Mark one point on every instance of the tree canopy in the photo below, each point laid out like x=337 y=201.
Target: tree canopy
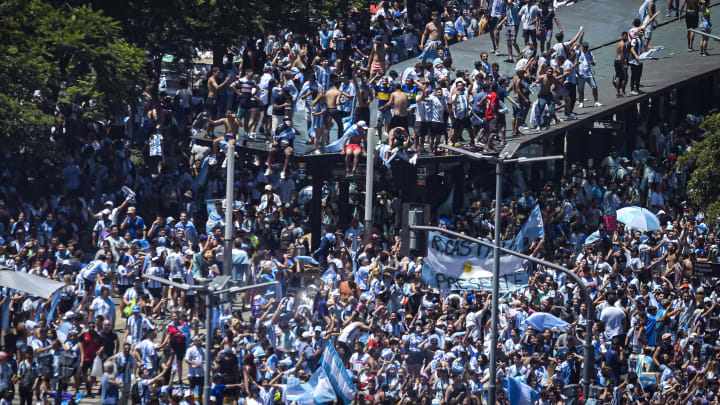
x=704 y=161
x=57 y=57
x=179 y=27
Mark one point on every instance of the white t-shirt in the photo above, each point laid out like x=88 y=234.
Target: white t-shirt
x=528 y=14
x=613 y=318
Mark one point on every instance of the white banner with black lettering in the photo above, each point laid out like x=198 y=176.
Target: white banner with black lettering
x=460 y=265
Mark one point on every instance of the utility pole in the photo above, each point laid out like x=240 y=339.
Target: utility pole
x=229 y=206
x=590 y=306
x=499 y=167
x=369 y=173
x=215 y=288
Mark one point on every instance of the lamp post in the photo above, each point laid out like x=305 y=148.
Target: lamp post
x=214 y=288
x=369 y=173
x=499 y=167
x=589 y=314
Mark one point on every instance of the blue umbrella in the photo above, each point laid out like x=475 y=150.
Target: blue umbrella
x=542 y=320
x=592 y=238
x=638 y=218
x=305 y=194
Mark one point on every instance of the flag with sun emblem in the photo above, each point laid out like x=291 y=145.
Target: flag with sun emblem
x=459 y=265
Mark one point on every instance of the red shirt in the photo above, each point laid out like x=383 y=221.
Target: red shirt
x=91 y=344
x=491 y=100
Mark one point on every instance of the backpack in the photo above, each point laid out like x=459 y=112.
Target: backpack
x=135 y=393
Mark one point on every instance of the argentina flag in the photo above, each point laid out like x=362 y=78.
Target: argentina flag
x=336 y=372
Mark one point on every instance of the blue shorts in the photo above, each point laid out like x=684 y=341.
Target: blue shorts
x=522 y=110
x=383 y=117
x=588 y=80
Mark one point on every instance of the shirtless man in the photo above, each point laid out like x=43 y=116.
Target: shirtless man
x=213 y=89
x=432 y=38
x=377 y=57
x=521 y=92
x=364 y=96
x=332 y=97
x=231 y=123
x=545 y=97
x=399 y=103
x=352 y=146
x=621 y=64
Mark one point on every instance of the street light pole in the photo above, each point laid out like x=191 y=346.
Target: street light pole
x=499 y=166
x=214 y=288
x=590 y=306
x=369 y=173
x=492 y=389
x=229 y=206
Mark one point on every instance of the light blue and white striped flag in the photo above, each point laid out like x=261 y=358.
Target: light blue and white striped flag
x=520 y=393
x=336 y=372
x=532 y=229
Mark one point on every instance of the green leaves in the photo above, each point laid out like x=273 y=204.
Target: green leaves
x=704 y=158
x=48 y=46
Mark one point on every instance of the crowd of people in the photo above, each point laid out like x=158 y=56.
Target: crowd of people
x=112 y=333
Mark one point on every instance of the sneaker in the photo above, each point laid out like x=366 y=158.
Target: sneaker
x=581 y=105
x=570 y=117
x=413 y=159
x=538 y=128
x=253 y=135
x=282 y=175
x=268 y=172
x=598 y=104
x=634 y=93
x=316 y=152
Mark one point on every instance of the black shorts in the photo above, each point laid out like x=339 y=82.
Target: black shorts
x=362 y=114
x=88 y=285
x=196 y=381
x=620 y=71
x=156 y=292
x=437 y=128
x=492 y=125
x=461 y=123
x=399 y=121
x=123 y=287
x=179 y=350
x=190 y=301
x=87 y=365
x=691 y=20
x=422 y=128
x=492 y=23
x=529 y=35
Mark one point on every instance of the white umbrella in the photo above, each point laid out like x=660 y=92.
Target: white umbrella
x=638 y=218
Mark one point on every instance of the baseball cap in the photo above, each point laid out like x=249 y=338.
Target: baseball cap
x=268 y=187
x=108 y=202
x=105 y=212
x=362 y=124
x=585 y=44
x=136 y=308
x=131 y=210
